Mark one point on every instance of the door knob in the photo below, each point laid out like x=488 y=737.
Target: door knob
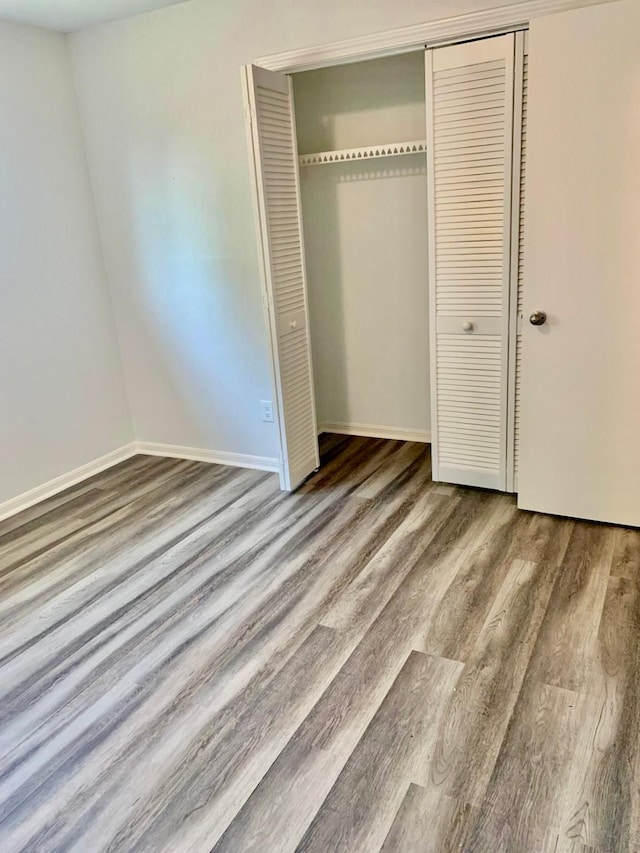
x=538 y=318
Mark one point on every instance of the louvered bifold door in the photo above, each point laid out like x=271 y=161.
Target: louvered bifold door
x=273 y=149
x=469 y=142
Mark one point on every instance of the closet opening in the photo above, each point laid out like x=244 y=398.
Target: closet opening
x=361 y=132
x=390 y=209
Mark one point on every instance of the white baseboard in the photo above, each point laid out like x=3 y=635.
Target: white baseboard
x=216 y=457
x=72 y=478
x=375 y=431
x=64 y=481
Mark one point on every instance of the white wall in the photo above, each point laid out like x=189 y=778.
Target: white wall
x=162 y=108
x=62 y=392
x=366 y=241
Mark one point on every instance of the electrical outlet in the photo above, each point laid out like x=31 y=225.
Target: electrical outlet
x=266 y=409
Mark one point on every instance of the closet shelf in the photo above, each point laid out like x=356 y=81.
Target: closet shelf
x=392 y=149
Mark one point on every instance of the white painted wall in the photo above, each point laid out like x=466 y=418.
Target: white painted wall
x=162 y=109
x=62 y=392
x=366 y=240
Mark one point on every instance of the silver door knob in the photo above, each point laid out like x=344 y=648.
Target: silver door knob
x=538 y=318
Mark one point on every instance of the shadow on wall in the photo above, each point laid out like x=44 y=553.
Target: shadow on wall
x=183 y=295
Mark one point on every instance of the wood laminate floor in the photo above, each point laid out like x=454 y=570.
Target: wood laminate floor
x=192 y=661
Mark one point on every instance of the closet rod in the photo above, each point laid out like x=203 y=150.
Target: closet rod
x=392 y=149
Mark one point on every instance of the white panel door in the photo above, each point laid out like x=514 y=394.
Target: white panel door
x=469 y=152
x=274 y=160
x=580 y=407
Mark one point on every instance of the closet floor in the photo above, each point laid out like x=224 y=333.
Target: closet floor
x=193 y=661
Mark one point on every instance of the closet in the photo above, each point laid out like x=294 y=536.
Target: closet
x=365 y=229
x=390 y=219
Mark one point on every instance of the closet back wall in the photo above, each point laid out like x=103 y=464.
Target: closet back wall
x=365 y=226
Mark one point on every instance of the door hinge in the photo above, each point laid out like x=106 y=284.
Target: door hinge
x=249 y=114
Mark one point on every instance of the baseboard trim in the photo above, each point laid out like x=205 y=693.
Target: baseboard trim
x=215 y=457
x=375 y=431
x=65 y=481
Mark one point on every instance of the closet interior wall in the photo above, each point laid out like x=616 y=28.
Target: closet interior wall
x=365 y=235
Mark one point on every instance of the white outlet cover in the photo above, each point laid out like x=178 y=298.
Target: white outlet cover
x=266 y=408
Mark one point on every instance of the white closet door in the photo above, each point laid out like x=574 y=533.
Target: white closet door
x=469 y=141
x=274 y=153
x=580 y=413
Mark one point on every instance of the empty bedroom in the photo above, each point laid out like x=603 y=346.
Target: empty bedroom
x=319 y=422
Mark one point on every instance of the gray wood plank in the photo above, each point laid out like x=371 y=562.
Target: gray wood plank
x=359 y=810
x=566 y=644
x=520 y=809
x=395 y=464
x=429 y=821
x=483 y=567
x=480 y=709
x=373 y=586
x=601 y=804
x=347 y=465
x=626 y=558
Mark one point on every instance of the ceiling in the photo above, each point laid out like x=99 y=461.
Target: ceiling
x=69 y=15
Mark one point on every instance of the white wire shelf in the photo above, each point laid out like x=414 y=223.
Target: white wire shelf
x=371 y=152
